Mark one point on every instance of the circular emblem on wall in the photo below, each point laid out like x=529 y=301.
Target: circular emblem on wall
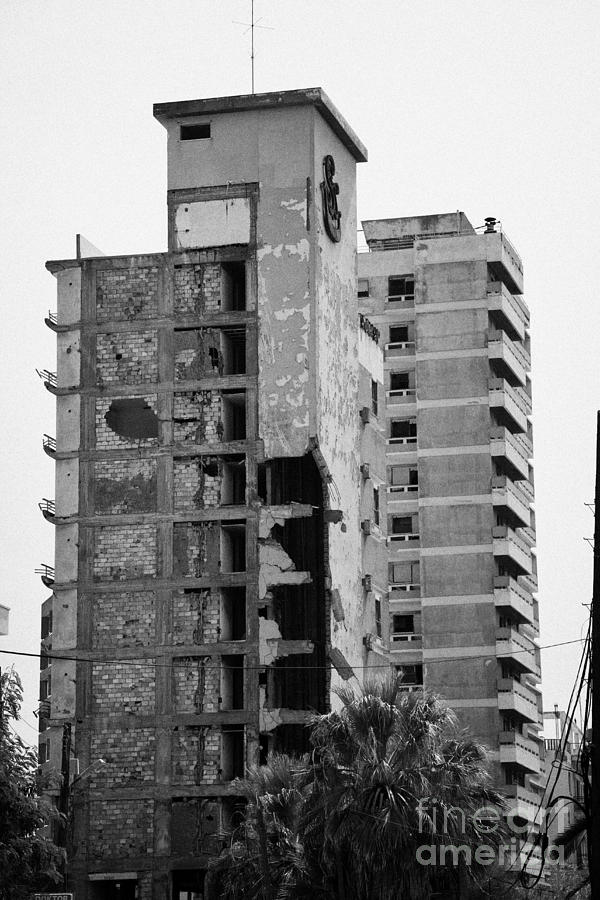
x=329 y=192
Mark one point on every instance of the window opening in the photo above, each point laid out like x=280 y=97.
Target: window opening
x=198 y=132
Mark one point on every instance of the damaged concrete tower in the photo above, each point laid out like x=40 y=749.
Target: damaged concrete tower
x=220 y=564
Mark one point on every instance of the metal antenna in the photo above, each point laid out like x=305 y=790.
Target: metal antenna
x=250 y=28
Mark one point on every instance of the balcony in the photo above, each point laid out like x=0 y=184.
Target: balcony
x=49 y=378
x=506 y=494
x=51 y=320
x=48 y=509
x=398 y=349
x=514 y=449
x=517 y=750
x=521 y=802
x=404 y=591
x=400 y=444
x=515 y=697
x=510 y=357
x=395 y=539
x=49 y=445
x=511 y=644
x=506 y=543
x=504 y=261
x=405 y=640
x=47 y=574
x=512 y=405
x=509 y=308
x=401 y=396
x=508 y=593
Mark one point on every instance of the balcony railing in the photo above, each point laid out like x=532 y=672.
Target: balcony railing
x=514 y=402
x=412 y=536
x=508 y=543
x=47 y=508
x=49 y=444
x=505 y=493
x=402 y=441
x=401 y=393
x=46 y=573
x=512 y=695
x=505 y=444
x=399 y=349
x=404 y=637
x=406 y=587
x=510 y=305
x=510 y=643
x=403 y=488
x=512 y=354
x=49 y=378
x=509 y=593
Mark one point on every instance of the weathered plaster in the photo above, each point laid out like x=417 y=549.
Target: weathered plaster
x=212 y=223
x=68 y=296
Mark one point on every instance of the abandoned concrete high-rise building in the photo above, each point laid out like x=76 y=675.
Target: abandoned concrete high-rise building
x=231 y=450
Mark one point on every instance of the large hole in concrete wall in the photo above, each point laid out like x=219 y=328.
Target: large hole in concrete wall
x=233 y=487
x=132 y=418
x=234 y=415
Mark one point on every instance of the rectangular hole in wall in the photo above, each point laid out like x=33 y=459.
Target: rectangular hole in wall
x=198 y=132
x=233 y=351
x=232 y=682
x=232 y=752
x=233 y=614
x=233 y=547
x=234 y=415
x=233 y=486
x=233 y=286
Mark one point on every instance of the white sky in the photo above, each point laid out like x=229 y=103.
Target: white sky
x=487 y=107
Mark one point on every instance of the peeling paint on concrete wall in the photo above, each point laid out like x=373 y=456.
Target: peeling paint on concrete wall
x=212 y=223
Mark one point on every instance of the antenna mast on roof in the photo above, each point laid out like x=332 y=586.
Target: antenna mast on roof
x=250 y=28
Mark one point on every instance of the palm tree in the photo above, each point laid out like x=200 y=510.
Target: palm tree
x=394 y=775
x=389 y=774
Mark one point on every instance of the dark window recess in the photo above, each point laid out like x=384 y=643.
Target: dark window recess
x=132 y=418
x=374 y=397
x=363 y=287
x=233 y=547
x=44 y=689
x=402 y=525
x=403 y=475
x=403 y=428
x=403 y=624
x=376 y=505
x=113 y=890
x=401 y=287
x=399 y=381
x=46 y=625
x=232 y=682
x=233 y=614
x=233 y=342
x=233 y=286
x=42 y=753
x=198 y=132
x=378 y=617
x=232 y=752
x=411 y=674
x=234 y=416
x=399 y=334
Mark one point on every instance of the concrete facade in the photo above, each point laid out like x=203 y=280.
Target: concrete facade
x=461 y=528
x=220 y=562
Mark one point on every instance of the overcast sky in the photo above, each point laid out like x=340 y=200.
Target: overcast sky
x=486 y=107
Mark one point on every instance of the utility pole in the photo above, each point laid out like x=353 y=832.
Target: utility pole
x=594 y=812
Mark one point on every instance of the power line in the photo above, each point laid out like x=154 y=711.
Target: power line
x=185 y=656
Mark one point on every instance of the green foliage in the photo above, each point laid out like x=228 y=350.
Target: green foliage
x=29 y=861
x=388 y=773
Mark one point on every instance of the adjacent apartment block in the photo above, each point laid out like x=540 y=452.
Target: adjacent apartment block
x=221 y=562
x=462 y=571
